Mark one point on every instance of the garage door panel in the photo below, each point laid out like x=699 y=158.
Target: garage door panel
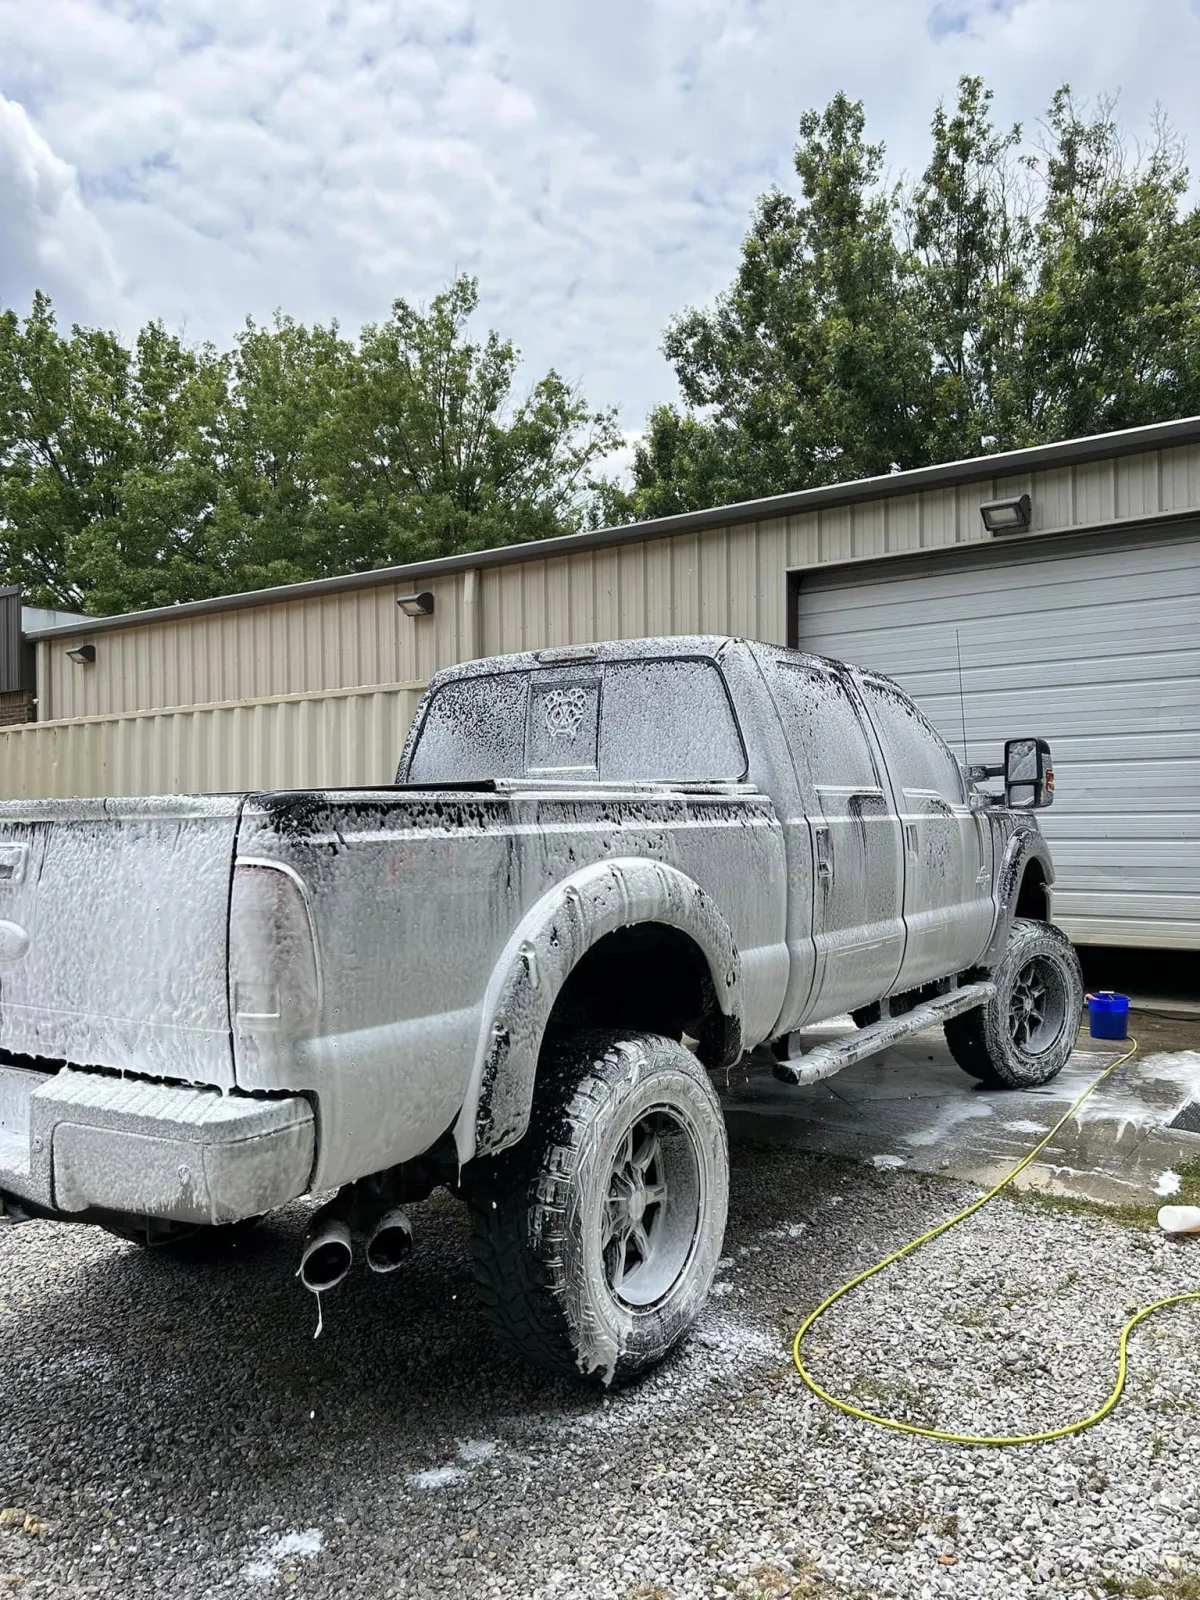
x=1160 y=566
x=1148 y=675
x=1157 y=865
x=1100 y=824
x=1092 y=642
x=1144 y=634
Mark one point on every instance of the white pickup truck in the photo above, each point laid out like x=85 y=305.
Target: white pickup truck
x=601 y=873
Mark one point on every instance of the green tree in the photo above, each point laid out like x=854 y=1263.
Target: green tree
x=105 y=498
x=430 y=454
x=1012 y=294
x=143 y=476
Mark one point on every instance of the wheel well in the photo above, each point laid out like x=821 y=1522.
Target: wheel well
x=652 y=978
x=1032 y=899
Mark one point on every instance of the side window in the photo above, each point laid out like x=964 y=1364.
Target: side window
x=920 y=761
x=669 y=721
x=821 y=719
x=473 y=728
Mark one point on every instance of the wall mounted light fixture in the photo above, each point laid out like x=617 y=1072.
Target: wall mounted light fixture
x=83 y=654
x=1007 y=516
x=416 y=605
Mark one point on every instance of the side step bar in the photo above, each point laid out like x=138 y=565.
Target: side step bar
x=827 y=1059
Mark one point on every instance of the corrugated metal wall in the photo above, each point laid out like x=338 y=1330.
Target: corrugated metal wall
x=334 y=641
x=334 y=740
x=721 y=579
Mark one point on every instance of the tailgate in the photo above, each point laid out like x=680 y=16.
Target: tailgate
x=114 y=918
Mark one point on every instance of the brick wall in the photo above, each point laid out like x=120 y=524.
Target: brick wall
x=16 y=707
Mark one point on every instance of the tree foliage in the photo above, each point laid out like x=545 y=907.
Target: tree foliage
x=146 y=475
x=1016 y=292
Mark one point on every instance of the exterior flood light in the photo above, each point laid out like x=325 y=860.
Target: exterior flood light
x=416 y=605
x=84 y=654
x=1007 y=516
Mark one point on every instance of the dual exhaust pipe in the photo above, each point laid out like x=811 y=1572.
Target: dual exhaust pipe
x=327 y=1253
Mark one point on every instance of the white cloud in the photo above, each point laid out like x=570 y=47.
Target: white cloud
x=200 y=159
x=49 y=239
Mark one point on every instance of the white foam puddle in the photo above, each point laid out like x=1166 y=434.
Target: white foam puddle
x=1173 y=1075
x=1023 y=1125
x=303 y=1545
x=1168 y=1183
x=887 y=1163
x=949 y=1116
x=476 y=1450
x=471 y=1453
x=435 y=1477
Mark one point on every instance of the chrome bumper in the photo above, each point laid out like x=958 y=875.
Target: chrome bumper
x=78 y=1142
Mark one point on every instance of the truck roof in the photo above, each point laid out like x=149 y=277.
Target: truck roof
x=712 y=645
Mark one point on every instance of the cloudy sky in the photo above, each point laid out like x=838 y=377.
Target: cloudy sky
x=593 y=164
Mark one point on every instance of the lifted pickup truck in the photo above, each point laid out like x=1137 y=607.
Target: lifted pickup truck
x=601 y=874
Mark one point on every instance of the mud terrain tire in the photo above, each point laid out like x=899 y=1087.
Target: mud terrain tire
x=1024 y=1034
x=596 y=1238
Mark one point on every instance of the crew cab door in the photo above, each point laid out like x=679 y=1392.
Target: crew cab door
x=948 y=907
x=857 y=922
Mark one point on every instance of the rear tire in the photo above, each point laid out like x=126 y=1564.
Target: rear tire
x=597 y=1237
x=1023 y=1036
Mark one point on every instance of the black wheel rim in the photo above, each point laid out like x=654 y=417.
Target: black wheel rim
x=1037 y=1007
x=652 y=1209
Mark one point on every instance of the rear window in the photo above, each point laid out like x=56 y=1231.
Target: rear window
x=668 y=720
x=665 y=721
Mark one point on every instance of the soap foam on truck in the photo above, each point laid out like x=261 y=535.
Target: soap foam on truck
x=602 y=874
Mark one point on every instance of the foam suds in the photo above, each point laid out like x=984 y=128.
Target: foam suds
x=435 y=1477
x=948 y=1117
x=303 y=1545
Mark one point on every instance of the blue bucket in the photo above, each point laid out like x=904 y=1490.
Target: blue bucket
x=1108 y=1015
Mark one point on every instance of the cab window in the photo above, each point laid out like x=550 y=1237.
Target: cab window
x=819 y=717
x=474 y=728
x=918 y=758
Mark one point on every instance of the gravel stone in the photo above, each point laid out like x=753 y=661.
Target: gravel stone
x=172 y=1427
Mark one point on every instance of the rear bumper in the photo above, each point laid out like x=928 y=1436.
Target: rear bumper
x=79 y=1142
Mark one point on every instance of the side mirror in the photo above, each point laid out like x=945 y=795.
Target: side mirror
x=1028 y=775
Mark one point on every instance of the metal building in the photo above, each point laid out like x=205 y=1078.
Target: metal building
x=1072 y=605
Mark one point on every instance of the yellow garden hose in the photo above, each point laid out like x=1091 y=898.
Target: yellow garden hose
x=948 y=1437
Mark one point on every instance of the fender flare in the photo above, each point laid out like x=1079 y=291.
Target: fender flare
x=545 y=948
x=1026 y=845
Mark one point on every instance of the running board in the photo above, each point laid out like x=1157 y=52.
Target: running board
x=827 y=1059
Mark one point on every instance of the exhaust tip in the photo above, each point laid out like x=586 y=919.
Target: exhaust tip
x=326 y=1257
x=389 y=1242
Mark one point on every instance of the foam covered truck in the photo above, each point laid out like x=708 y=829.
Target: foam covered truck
x=602 y=874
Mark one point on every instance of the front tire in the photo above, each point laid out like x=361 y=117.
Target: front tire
x=1023 y=1036
x=597 y=1237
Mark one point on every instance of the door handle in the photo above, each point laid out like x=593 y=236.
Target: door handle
x=910 y=838
x=824 y=859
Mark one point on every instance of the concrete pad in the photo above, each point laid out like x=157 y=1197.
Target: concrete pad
x=915 y=1108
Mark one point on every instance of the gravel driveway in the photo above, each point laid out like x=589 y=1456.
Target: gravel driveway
x=172 y=1429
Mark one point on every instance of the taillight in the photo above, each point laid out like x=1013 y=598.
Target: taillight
x=274 y=978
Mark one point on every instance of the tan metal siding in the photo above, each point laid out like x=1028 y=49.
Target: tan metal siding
x=722 y=579
x=334 y=641
x=338 y=739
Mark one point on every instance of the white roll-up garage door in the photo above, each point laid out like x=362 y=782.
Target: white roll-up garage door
x=1090 y=641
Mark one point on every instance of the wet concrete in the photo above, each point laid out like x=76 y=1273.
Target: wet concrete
x=915 y=1108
